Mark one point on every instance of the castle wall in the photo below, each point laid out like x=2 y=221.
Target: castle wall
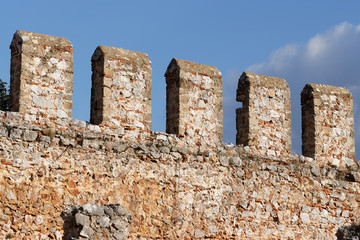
x=194 y=102
x=114 y=178
x=121 y=91
x=328 y=124
x=41 y=80
x=264 y=121
x=170 y=190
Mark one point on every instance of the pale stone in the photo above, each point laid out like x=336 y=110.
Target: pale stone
x=30 y=135
x=86 y=232
x=198 y=233
x=93 y=209
x=104 y=222
x=305 y=218
x=39 y=220
x=81 y=219
x=194 y=186
x=328 y=111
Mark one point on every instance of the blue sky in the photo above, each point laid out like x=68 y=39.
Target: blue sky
x=266 y=37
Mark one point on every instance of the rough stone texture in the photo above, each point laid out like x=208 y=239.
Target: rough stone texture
x=96 y=222
x=264 y=121
x=163 y=186
x=41 y=81
x=121 y=91
x=194 y=102
x=328 y=124
x=172 y=189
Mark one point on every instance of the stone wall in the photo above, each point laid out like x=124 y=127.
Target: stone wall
x=328 y=124
x=171 y=189
x=264 y=121
x=63 y=178
x=41 y=79
x=121 y=91
x=194 y=102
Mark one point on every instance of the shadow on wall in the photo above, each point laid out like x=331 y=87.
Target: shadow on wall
x=349 y=233
x=71 y=229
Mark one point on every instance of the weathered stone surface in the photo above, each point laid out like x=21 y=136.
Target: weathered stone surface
x=328 y=124
x=30 y=135
x=264 y=121
x=81 y=219
x=194 y=102
x=235 y=161
x=96 y=222
x=121 y=91
x=354 y=176
x=93 y=210
x=41 y=75
x=220 y=193
x=163 y=186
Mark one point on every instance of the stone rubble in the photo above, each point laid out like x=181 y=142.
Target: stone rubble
x=96 y=222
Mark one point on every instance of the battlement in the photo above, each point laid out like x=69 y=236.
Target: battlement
x=327 y=123
x=114 y=178
x=194 y=102
x=41 y=79
x=264 y=121
x=121 y=91
x=41 y=88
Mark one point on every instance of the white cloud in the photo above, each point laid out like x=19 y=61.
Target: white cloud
x=279 y=59
x=332 y=57
x=316 y=47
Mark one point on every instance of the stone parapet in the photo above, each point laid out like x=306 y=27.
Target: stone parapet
x=327 y=124
x=194 y=102
x=41 y=80
x=264 y=121
x=121 y=91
